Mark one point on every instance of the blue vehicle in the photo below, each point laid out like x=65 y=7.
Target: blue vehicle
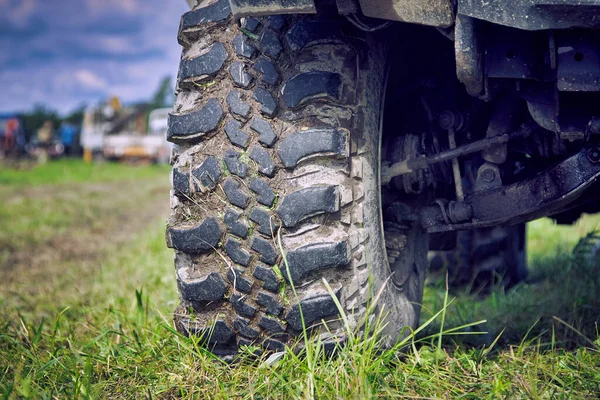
x=68 y=134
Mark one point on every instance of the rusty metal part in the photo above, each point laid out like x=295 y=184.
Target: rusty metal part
x=244 y=8
x=460 y=195
x=459 y=211
x=534 y=14
x=426 y=12
x=578 y=60
x=468 y=53
x=545 y=194
x=347 y=7
x=488 y=177
x=504 y=119
x=594 y=155
x=418 y=163
x=512 y=53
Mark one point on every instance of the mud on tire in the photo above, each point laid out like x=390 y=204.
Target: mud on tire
x=277 y=130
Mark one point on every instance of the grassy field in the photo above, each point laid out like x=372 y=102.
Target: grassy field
x=88 y=289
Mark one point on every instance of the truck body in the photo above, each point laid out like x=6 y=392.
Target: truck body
x=150 y=146
x=124 y=134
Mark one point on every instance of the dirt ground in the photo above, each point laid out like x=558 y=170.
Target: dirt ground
x=49 y=229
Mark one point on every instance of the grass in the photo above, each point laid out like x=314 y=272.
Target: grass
x=101 y=327
x=73 y=171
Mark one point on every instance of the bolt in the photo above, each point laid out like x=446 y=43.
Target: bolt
x=594 y=154
x=488 y=175
x=446 y=119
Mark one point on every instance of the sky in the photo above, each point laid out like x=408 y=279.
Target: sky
x=63 y=53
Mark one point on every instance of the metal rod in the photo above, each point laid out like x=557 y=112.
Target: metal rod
x=460 y=196
x=415 y=164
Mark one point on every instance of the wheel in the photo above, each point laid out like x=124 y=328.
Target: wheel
x=485 y=257
x=276 y=182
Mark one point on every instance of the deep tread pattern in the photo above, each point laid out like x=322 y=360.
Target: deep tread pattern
x=235 y=134
x=267 y=225
x=270 y=44
x=215 y=12
x=204 y=178
x=268 y=71
x=235 y=276
x=306 y=32
x=485 y=257
x=270 y=303
x=210 y=288
x=275 y=22
x=313 y=309
x=313 y=257
x=190 y=127
x=234 y=225
x=263 y=158
x=272 y=325
x=266 y=196
x=238 y=73
x=242 y=326
x=273 y=345
x=242 y=307
x=233 y=248
x=234 y=165
x=251 y=24
x=205 y=65
x=242 y=46
x=234 y=194
x=263 y=128
x=302 y=144
x=219 y=332
x=305 y=203
x=196 y=240
x=268 y=103
x=309 y=85
x=237 y=105
x=289 y=91
x=267 y=252
x=269 y=278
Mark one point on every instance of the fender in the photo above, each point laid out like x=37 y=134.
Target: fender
x=438 y=13
x=426 y=12
x=244 y=8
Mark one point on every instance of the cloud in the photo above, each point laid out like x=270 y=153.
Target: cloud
x=97 y=6
x=90 y=80
x=75 y=51
x=18 y=11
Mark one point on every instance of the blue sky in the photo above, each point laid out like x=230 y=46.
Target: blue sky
x=67 y=52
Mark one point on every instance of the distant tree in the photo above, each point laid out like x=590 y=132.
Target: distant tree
x=164 y=95
x=76 y=116
x=34 y=119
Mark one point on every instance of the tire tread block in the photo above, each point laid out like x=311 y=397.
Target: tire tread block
x=196 y=240
x=310 y=142
x=305 y=203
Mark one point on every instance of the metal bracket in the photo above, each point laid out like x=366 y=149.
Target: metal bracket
x=548 y=192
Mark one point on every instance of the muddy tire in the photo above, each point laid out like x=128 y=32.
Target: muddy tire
x=485 y=257
x=276 y=180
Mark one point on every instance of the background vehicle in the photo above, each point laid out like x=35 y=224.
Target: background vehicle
x=150 y=145
x=125 y=133
x=357 y=139
x=12 y=136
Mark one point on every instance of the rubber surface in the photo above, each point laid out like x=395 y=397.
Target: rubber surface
x=275 y=179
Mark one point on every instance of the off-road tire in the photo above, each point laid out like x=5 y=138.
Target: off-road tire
x=485 y=257
x=276 y=180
